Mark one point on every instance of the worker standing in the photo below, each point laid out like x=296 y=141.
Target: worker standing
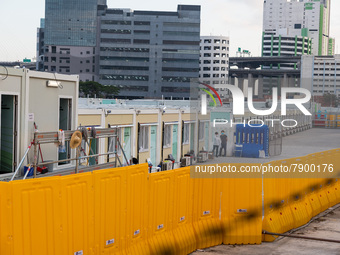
x=216 y=144
x=224 y=140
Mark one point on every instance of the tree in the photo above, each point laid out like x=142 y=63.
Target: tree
x=329 y=100
x=93 y=89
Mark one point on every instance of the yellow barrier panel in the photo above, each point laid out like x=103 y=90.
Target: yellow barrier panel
x=278 y=217
x=321 y=192
x=206 y=212
x=336 y=160
x=300 y=206
x=337 y=190
x=313 y=187
x=77 y=214
x=330 y=183
x=6 y=234
x=183 y=230
x=137 y=210
x=36 y=212
x=241 y=210
x=110 y=210
x=160 y=213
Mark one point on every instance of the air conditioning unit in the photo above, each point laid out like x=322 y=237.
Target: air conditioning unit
x=185 y=161
x=166 y=165
x=202 y=156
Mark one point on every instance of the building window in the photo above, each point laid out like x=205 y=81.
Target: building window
x=143 y=138
x=201 y=131
x=167 y=136
x=186 y=133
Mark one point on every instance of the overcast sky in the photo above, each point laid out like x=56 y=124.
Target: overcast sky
x=240 y=19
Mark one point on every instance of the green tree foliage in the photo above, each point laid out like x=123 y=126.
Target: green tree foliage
x=330 y=100
x=93 y=89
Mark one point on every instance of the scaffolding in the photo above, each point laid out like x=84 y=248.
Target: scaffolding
x=88 y=133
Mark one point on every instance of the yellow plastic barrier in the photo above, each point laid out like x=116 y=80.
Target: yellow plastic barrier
x=321 y=192
x=206 y=212
x=137 y=210
x=37 y=218
x=129 y=211
x=183 y=230
x=278 y=215
x=241 y=205
x=6 y=234
x=337 y=189
x=312 y=190
x=160 y=213
x=77 y=214
x=110 y=210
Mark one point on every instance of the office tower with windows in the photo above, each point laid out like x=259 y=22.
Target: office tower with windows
x=150 y=54
x=67 y=38
x=147 y=54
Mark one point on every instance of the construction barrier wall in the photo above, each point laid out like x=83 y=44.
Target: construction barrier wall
x=129 y=211
x=292 y=202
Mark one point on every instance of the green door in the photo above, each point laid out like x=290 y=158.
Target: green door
x=65 y=124
x=127 y=143
x=174 y=141
x=7 y=133
x=153 y=145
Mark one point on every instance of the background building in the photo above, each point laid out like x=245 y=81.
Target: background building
x=147 y=54
x=150 y=54
x=296 y=27
x=214 y=61
x=321 y=75
x=67 y=38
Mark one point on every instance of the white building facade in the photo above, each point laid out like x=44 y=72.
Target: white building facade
x=214 y=61
x=303 y=26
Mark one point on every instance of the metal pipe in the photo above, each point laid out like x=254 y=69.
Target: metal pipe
x=123 y=152
x=28 y=170
x=77 y=161
x=64 y=160
x=301 y=237
x=22 y=161
x=35 y=160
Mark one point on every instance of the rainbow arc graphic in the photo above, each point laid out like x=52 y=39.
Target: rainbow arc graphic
x=210 y=94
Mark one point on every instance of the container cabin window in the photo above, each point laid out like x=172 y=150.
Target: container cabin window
x=167 y=136
x=186 y=133
x=144 y=138
x=112 y=143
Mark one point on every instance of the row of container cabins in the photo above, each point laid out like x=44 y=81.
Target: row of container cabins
x=149 y=131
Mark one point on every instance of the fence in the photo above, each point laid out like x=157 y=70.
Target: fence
x=129 y=211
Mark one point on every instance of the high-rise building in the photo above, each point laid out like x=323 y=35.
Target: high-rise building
x=147 y=54
x=214 y=61
x=150 y=54
x=296 y=27
x=67 y=38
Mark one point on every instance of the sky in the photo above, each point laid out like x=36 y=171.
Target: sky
x=239 y=19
